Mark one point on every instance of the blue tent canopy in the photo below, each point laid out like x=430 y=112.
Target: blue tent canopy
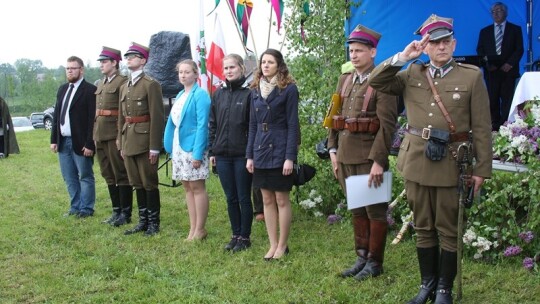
x=398 y=20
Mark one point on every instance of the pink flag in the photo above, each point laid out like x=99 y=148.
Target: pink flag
x=243 y=15
x=217 y=52
x=278 y=9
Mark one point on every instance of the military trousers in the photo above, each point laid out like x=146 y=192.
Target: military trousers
x=111 y=164
x=142 y=174
x=435 y=215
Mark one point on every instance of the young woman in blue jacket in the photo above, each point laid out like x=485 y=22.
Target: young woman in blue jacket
x=273 y=145
x=186 y=139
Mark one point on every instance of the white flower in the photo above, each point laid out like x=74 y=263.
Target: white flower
x=312 y=193
x=477 y=256
x=505 y=131
x=318 y=199
x=317 y=213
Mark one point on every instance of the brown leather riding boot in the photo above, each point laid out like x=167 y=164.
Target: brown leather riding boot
x=361 y=244
x=377 y=243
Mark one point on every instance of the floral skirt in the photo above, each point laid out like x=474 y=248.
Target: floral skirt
x=182 y=167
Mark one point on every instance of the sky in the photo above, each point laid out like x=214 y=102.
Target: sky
x=52 y=31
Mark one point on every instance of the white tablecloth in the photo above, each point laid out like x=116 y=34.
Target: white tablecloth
x=527 y=89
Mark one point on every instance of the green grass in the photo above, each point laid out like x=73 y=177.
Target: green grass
x=47 y=258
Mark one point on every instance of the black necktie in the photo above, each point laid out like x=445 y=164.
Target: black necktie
x=65 y=105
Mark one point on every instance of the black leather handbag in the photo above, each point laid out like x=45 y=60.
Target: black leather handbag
x=302 y=173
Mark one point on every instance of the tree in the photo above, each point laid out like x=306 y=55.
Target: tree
x=315 y=63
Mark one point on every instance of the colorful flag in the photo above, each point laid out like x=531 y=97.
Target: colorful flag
x=216 y=54
x=199 y=53
x=278 y=9
x=243 y=15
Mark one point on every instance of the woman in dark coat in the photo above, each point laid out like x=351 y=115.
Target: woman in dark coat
x=273 y=145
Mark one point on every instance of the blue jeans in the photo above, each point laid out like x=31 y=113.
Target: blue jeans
x=78 y=175
x=236 y=183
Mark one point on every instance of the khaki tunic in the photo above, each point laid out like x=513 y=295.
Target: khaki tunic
x=107 y=97
x=356 y=152
x=106 y=130
x=464 y=95
x=139 y=98
x=363 y=148
x=142 y=98
x=431 y=185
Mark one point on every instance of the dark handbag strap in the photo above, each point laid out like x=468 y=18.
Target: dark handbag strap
x=367 y=98
x=440 y=104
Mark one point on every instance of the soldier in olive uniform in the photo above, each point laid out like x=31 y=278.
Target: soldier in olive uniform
x=142 y=122
x=431 y=179
x=105 y=133
x=357 y=152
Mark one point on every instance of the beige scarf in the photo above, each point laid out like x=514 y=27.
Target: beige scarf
x=267 y=87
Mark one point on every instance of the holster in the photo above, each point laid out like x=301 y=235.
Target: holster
x=436 y=145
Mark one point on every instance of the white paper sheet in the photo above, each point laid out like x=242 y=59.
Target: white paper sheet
x=360 y=195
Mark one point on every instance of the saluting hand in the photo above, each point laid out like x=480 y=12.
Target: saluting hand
x=414 y=49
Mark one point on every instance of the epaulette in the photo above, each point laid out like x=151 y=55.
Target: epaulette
x=148 y=77
x=468 y=66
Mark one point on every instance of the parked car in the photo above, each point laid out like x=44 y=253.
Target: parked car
x=48 y=118
x=21 y=124
x=37 y=120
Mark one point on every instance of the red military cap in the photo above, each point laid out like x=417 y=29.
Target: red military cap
x=364 y=35
x=110 y=54
x=437 y=27
x=138 y=49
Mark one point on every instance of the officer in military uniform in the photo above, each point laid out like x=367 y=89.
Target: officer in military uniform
x=105 y=133
x=357 y=150
x=141 y=121
x=426 y=156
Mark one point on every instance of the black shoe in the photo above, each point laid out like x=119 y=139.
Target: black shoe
x=242 y=244
x=232 y=243
x=110 y=220
x=286 y=252
x=355 y=269
x=152 y=229
x=139 y=228
x=372 y=269
x=121 y=220
x=84 y=215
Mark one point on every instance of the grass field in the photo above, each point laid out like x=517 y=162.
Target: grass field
x=48 y=258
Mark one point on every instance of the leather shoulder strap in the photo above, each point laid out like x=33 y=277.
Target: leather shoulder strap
x=344 y=84
x=367 y=98
x=440 y=104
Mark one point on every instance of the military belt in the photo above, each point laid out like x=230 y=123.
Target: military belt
x=426 y=133
x=137 y=119
x=100 y=112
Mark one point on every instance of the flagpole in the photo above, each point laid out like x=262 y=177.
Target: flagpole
x=252 y=37
x=269 y=28
x=238 y=31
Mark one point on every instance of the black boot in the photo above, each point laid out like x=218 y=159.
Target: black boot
x=143 y=213
x=377 y=242
x=428 y=259
x=154 y=206
x=126 y=202
x=447 y=274
x=115 y=200
x=361 y=244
